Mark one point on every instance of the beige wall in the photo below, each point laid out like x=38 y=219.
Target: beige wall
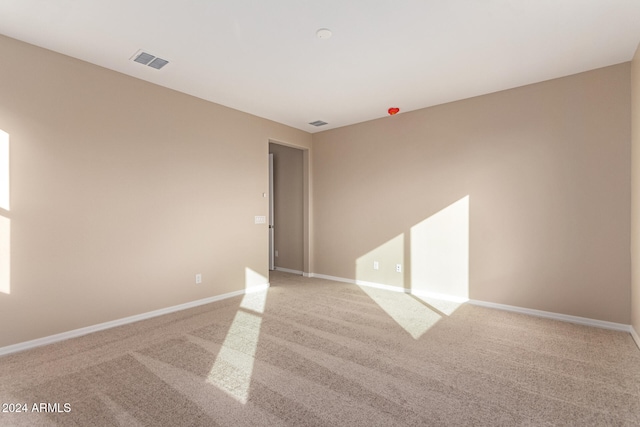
x=121 y=191
x=635 y=196
x=288 y=206
x=537 y=179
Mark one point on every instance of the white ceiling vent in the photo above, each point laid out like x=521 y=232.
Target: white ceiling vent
x=318 y=123
x=158 y=63
x=148 y=59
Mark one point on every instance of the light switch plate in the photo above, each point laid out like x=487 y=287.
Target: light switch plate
x=261 y=220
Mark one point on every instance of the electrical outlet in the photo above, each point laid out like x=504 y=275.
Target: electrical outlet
x=376 y=265
x=399 y=268
x=198 y=278
x=276 y=253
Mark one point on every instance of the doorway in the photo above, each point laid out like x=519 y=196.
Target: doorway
x=286 y=208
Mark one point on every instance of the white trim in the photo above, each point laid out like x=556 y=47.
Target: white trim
x=252 y=289
x=555 y=316
x=419 y=293
x=307 y=274
x=635 y=336
x=334 y=278
x=442 y=297
x=538 y=313
x=288 y=270
x=126 y=320
x=382 y=286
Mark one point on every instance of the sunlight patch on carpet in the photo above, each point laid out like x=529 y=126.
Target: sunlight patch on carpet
x=414 y=317
x=426 y=266
x=444 y=306
x=233 y=367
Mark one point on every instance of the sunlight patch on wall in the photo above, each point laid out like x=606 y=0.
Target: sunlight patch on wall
x=253 y=279
x=440 y=252
x=5 y=222
x=387 y=255
x=413 y=316
x=435 y=255
x=5 y=255
x=233 y=368
x=4 y=171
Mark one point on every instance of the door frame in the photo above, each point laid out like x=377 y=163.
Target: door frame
x=307 y=223
x=272 y=259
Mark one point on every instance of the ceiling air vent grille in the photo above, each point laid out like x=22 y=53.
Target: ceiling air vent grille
x=318 y=123
x=158 y=63
x=148 y=59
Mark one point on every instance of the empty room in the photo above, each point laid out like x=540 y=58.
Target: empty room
x=221 y=213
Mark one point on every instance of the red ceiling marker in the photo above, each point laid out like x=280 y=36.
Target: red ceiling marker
x=393 y=111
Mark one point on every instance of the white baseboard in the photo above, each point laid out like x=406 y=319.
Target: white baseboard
x=119 y=322
x=635 y=336
x=555 y=316
x=288 y=270
x=360 y=283
x=333 y=278
x=425 y=294
x=538 y=313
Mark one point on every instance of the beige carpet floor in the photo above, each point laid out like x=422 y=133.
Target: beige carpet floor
x=315 y=352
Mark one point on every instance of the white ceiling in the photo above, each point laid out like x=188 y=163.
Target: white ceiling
x=263 y=57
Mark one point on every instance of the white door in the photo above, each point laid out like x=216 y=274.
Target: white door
x=272 y=264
